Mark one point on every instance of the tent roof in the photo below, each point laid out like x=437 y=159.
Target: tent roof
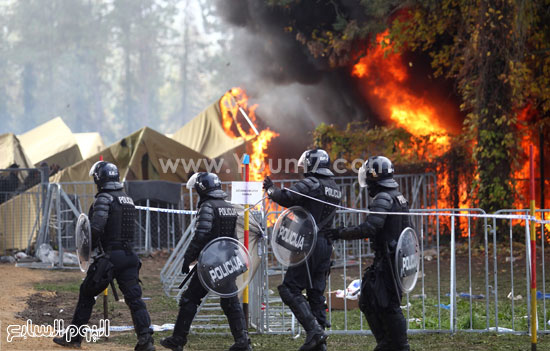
x=12 y=152
x=139 y=156
x=51 y=142
x=205 y=134
x=89 y=143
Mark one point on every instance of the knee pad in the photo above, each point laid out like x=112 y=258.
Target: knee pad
x=290 y=296
x=287 y=295
x=186 y=302
x=316 y=300
x=135 y=304
x=231 y=304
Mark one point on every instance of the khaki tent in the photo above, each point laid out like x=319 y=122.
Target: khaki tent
x=140 y=156
x=145 y=154
x=205 y=134
x=89 y=143
x=53 y=143
x=12 y=152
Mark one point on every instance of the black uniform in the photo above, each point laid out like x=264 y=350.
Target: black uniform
x=112 y=217
x=380 y=299
x=296 y=278
x=215 y=218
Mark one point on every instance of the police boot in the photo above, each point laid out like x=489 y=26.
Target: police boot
x=315 y=335
x=187 y=312
x=377 y=329
x=174 y=343
x=396 y=331
x=240 y=335
x=322 y=347
x=73 y=342
x=237 y=323
x=145 y=343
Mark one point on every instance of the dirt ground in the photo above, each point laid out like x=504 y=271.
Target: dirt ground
x=45 y=306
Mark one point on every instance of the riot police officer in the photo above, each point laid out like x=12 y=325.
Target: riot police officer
x=215 y=218
x=318 y=184
x=112 y=219
x=380 y=298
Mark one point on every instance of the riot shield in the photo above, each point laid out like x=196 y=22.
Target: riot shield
x=83 y=242
x=294 y=236
x=407 y=260
x=223 y=267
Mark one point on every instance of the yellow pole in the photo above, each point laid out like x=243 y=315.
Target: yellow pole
x=246 y=162
x=105 y=303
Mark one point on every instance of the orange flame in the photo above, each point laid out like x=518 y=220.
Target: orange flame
x=230 y=105
x=386 y=76
x=386 y=82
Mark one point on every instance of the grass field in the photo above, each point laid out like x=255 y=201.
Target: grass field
x=62 y=290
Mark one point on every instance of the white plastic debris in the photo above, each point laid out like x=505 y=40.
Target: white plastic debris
x=517 y=297
x=20 y=255
x=351 y=292
x=70 y=259
x=46 y=254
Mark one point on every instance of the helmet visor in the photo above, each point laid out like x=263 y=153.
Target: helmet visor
x=302 y=161
x=92 y=170
x=362 y=176
x=192 y=181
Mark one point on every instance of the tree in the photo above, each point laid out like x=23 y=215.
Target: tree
x=496 y=52
x=141 y=30
x=57 y=50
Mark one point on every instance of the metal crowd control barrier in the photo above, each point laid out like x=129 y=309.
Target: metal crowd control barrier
x=472 y=270
x=22 y=195
x=474 y=273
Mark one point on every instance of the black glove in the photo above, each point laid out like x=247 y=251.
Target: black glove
x=333 y=234
x=268 y=183
x=185 y=267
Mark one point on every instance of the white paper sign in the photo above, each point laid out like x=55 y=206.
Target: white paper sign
x=246 y=193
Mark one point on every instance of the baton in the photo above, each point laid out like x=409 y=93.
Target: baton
x=397 y=290
x=115 y=294
x=193 y=270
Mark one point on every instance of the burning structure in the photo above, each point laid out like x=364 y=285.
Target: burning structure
x=336 y=63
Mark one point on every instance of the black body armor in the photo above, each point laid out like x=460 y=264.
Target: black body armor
x=216 y=218
x=113 y=217
x=323 y=188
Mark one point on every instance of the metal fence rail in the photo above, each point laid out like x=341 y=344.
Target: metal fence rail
x=462 y=285
x=22 y=194
x=474 y=273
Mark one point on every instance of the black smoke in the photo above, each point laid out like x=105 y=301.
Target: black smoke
x=294 y=91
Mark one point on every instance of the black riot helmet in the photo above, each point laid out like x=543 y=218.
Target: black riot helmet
x=206 y=184
x=105 y=176
x=315 y=161
x=377 y=171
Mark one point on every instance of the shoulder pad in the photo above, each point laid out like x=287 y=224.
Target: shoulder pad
x=308 y=184
x=207 y=205
x=104 y=198
x=383 y=200
x=207 y=208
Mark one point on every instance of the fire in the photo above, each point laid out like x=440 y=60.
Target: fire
x=231 y=104
x=386 y=82
x=386 y=77
x=521 y=174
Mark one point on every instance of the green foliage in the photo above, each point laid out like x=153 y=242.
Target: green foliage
x=496 y=52
x=359 y=141
x=67 y=286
